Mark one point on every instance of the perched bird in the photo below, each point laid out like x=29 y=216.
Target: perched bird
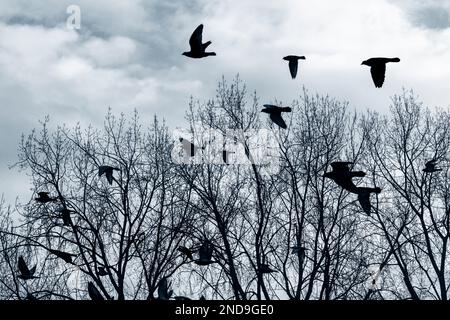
x=25 y=273
x=190 y=150
x=43 y=197
x=378 y=69
x=94 y=294
x=102 y=271
x=265 y=268
x=67 y=257
x=205 y=253
x=197 y=47
x=65 y=216
x=163 y=289
x=186 y=251
x=293 y=64
x=108 y=171
x=430 y=166
x=275 y=114
x=342 y=175
x=364 y=197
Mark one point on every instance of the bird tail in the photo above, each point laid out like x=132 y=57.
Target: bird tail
x=394 y=60
x=286 y=109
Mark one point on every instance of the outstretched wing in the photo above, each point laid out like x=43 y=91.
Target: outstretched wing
x=293 y=67
x=341 y=165
x=196 y=39
x=378 y=72
x=276 y=117
x=364 y=201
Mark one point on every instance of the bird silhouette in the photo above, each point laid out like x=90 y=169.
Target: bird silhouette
x=378 y=69
x=342 y=175
x=43 y=197
x=67 y=257
x=275 y=114
x=94 y=294
x=163 y=289
x=65 y=216
x=186 y=251
x=102 y=271
x=265 y=268
x=189 y=149
x=108 y=171
x=197 y=47
x=364 y=198
x=205 y=253
x=430 y=166
x=293 y=64
x=25 y=273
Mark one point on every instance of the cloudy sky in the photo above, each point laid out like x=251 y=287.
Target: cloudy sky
x=127 y=55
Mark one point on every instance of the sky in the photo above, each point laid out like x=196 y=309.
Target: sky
x=126 y=55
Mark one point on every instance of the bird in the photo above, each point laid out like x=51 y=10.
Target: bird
x=430 y=166
x=265 y=268
x=190 y=150
x=25 y=273
x=275 y=114
x=342 y=175
x=43 y=197
x=163 y=289
x=65 y=216
x=67 y=257
x=186 y=251
x=94 y=294
x=102 y=271
x=293 y=64
x=108 y=171
x=378 y=69
x=205 y=254
x=364 y=197
x=197 y=47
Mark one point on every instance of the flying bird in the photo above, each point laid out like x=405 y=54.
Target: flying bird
x=186 y=251
x=25 y=273
x=293 y=64
x=342 y=175
x=430 y=166
x=275 y=114
x=205 y=253
x=364 y=198
x=43 y=197
x=163 y=289
x=65 y=216
x=67 y=257
x=108 y=171
x=94 y=294
x=197 y=47
x=265 y=268
x=378 y=69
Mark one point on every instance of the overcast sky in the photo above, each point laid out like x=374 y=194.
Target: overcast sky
x=127 y=55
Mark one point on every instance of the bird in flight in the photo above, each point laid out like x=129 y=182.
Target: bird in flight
x=197 y=47
x=275 y=114
x=430 y=166
x=67 y=257
x=364 y=197
x=43 y=197
x=186 y=251
x=108 y=171
x=265 y=268
x=94 y=294
x=205 y=253
x=378 y=69
x=25 y=273
x=293 y=64
x=342 y=175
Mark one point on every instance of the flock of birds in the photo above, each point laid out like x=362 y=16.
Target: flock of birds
x=341 y=174
x=198 y=50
